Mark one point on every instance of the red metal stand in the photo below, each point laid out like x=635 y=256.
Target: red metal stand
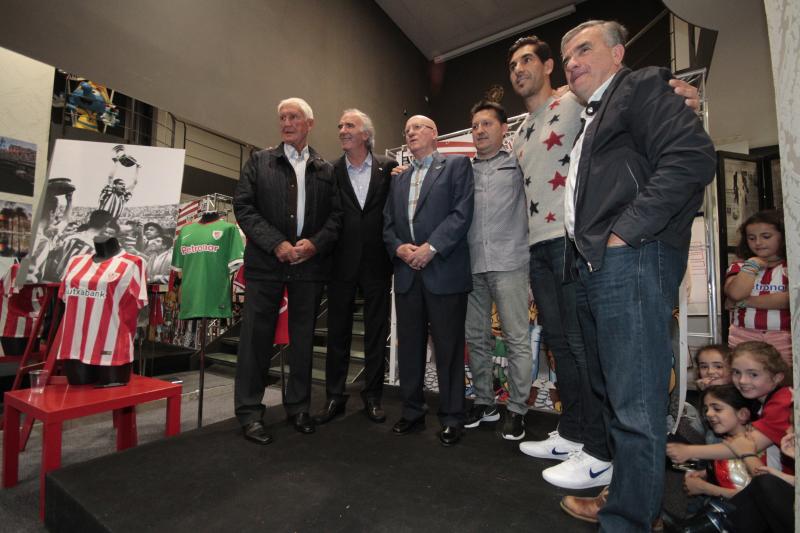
x=33 y=349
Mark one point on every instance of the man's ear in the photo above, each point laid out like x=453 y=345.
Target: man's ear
x=618 y=53
x=549 y=65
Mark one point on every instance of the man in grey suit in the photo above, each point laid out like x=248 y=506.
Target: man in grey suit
x=426 y=220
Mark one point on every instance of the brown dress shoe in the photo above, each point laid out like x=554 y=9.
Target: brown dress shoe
x=585 y=509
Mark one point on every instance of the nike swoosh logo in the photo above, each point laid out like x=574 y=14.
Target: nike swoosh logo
x=556 y=452
x=595 y=474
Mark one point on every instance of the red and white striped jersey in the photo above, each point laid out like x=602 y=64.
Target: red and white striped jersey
x=19 y=307
x=769 y=281
x=113 y=200
x=187 y=213
x=102 y=301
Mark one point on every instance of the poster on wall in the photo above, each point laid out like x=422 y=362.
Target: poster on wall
x=15 y=228
x=130 y=192
x=697 y=270
x=741 y=193
x=17 y=166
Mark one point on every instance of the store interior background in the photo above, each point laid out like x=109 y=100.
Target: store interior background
x=224 y=66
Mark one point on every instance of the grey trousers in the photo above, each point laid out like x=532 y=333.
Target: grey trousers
x=509 y=291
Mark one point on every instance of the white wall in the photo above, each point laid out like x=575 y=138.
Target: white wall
x=26 y=93
x=783 y=19
x=740 y=88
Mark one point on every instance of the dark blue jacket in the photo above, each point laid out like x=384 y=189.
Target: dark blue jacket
x=442 y=218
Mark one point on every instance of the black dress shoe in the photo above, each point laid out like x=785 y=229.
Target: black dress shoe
x=405 y=426
x=331 y=411
x=374 y=411
x=302 y=422
x=256 y=432
x=449 y=435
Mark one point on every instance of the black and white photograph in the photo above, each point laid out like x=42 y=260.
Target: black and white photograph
x=739 y=193
x=100 y=189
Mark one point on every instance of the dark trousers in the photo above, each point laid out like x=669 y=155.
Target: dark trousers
x=261 y=308
x=445 y=313
x=377 y=307
x=581 y=418
x=766 y=504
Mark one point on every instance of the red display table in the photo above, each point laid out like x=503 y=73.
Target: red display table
x=64 y=402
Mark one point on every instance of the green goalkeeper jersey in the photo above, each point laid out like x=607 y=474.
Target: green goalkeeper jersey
x=205 y=255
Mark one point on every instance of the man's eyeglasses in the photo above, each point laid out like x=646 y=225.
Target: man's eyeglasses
x=413 y=128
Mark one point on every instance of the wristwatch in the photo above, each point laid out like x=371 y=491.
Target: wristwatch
x=434 y=250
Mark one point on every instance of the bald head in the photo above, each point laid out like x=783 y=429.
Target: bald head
x=421 y=136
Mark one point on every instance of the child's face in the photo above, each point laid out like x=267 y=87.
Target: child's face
x=764 y=240
x=723 y=418
x=712 y=366
x=752 y=379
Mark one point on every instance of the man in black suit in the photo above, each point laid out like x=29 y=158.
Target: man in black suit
x=426 y=220
x=359 y=261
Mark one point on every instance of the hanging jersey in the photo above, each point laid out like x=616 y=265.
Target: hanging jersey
x=19 y=307
x=113 y=201
x=771 y=280
x=206 y=254
x=102 y=301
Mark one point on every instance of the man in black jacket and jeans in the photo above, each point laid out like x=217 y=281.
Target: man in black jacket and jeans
x=635 y=184
x=287 y=204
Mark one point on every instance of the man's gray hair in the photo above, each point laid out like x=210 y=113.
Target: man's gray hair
x=368 y=127
x=614 y=33
x=299 y=102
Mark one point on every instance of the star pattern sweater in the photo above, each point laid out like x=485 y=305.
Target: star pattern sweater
x=542 y=145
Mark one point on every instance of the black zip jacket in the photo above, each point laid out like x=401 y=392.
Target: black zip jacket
x=645 y=162
x=265 y=203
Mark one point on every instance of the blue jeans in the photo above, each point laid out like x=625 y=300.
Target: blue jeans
x=581 y=415
x=626 y=310
x=509 y=291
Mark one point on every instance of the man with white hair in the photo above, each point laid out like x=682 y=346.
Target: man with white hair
x=360 y=261
x=287 y=204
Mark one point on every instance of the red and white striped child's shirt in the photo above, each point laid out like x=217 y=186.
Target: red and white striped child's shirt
x=771 y=280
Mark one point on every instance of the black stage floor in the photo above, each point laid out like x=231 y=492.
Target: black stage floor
x=351 y=475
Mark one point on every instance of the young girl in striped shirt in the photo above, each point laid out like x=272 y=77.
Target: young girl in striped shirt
x=757 y=287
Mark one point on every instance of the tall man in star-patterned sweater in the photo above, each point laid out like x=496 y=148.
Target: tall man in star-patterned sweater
x=542 y=145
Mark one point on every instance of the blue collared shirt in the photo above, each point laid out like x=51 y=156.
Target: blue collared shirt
x=498 y=235
x=420 y=170
x=359 y=178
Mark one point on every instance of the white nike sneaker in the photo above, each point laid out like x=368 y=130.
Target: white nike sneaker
x=553 y=447
x=580 y=471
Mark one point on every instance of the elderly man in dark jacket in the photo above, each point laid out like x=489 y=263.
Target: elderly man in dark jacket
x=287 y=204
